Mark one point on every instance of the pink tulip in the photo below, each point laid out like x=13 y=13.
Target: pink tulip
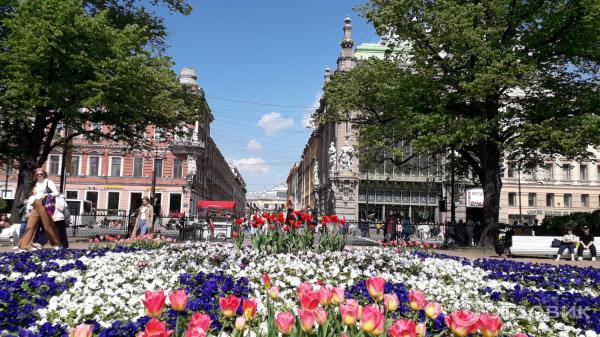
x=284 y=322
x=391 y=302
x=83 y=330
x=266 y=280
x=200 y=321
x=371 y=318
x=154 y=303
x=321 y=316
x=195 y=332
x=249 y=308
x=156 y=328
x=326 y=296
x=240 y=323
x=403 y=328
x=489 y=325
x=433 y=310
x=303 y=287
x=520 y=334
x=338 y=295
x=274 y=293
x=307 y=320
x=462 y=323
x=375 y=287
x=379 y=329
x=178 y=300
x=421 y=329
x=229 y=305
x=416 y=299
x=349 y=313
x=309 y=300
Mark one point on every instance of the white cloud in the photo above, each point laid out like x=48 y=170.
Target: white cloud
x=254 y=146
x=251 y=166
x=273 y=122
x=307 y=121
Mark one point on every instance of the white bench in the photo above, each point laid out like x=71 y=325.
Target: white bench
x=541 y=245
x=6 y=233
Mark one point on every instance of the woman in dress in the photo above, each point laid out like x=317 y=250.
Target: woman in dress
x=144 y=222
x=44 y=188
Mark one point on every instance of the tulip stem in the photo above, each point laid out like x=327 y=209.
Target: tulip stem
x=177 y=325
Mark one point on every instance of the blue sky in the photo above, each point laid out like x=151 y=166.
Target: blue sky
x=272 y=52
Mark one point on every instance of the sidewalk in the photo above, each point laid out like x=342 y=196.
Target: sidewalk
x=475 y=253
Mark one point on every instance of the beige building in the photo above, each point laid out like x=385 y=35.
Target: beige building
x=559 y=188
x=267 y=201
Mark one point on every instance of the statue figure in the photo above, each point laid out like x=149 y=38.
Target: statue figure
x=316 y=181
x=191 y=165
x=332 y=159
x=346 y=154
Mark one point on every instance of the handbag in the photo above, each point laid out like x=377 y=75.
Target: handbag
x=49 y=201
x=555 y=243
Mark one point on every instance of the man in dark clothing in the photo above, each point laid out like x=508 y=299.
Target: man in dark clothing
x=390 y=228
x=586 y=241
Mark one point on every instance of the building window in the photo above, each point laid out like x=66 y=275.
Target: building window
x=512 y=197
x=532 y=199
x=54 y=164
x=549 y=199
x=567 y=169
x=585 y=200
x=158 y=166
x=115 y=166
x=74 y=168
x=511 y=171
x=113 y=201
x=583 y=172
x=72 y=194
x=550 y=169
x=93 y=197
x=175 y=203
x=568 y=200
x=177 y=168
x=138 y=167
x=94 y=166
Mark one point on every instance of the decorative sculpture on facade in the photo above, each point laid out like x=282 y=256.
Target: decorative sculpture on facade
x=191 y=165
x=332 y=159
x=316 y=181
x=346 y=154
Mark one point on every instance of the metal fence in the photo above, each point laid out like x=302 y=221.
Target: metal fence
x=92 y=225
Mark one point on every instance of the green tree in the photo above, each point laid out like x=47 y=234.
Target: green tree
x=71 y=63
x=489 y=80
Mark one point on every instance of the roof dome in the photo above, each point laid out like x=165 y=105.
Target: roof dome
x=187 y=76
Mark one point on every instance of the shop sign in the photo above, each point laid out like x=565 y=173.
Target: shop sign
x=475 y=197
x=547 y=212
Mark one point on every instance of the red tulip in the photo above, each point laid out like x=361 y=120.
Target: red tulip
x=462 y=323
x=239 y=221
x=311 y=227
x=154 y=303
x=266 y=280
x=349 y=313
x=249 y=308
x=326 y=296
x=83 y=330
x=403 y=328
x=200 y=321
x=433 y=310
x=321 y=316
x=309 y=300
x=229 y=305
x=375 y=288
x=178 y=300
x=338 y=295
x=296 y=224
x=284 y=322
x=286 y=228
x=235 y=235
x=371 y=318
x=281 y=218
x=296 y=213
x=156 y=328
x=343 y=221
x=489 y=325
x=307 y=320
x=391 y=302
x=307 y=217
x=416 y=299
x=324 y=219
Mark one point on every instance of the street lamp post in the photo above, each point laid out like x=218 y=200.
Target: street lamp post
x=520 y=202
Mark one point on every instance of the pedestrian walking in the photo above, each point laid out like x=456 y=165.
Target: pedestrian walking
x=60 y=217
x=144 y=221
x=389 y=233
x=407 y=228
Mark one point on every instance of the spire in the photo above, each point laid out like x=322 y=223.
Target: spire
x=346 y=60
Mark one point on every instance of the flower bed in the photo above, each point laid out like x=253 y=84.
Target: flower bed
x=106 y=288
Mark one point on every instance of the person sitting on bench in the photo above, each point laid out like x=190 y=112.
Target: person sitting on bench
x=567 y=242
x=586 y=241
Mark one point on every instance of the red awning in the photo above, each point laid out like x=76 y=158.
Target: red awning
x=216 y=204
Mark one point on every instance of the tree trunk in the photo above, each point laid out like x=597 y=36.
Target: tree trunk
x=491 y=181
x=27 y=165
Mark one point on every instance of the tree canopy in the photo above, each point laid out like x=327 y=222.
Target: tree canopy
x=489 y=79
x=70 y=63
